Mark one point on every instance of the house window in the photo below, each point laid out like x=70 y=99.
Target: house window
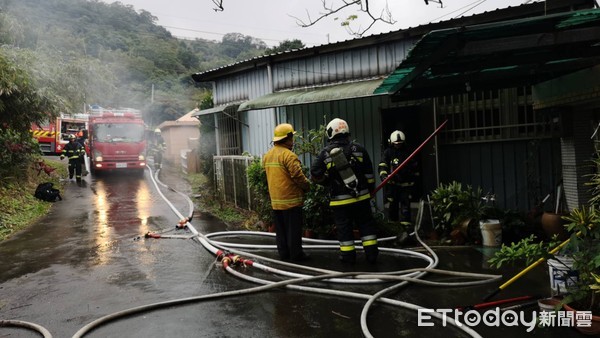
x=501 y=114
x=229 y=139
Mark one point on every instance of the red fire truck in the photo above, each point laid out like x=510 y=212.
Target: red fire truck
x=117 y=140
x=54 y=133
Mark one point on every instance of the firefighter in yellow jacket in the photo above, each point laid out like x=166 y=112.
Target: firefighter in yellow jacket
x=287 y=185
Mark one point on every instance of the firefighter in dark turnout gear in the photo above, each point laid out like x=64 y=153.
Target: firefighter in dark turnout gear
x=400 y=188
x=350 y=180
x=74 y=151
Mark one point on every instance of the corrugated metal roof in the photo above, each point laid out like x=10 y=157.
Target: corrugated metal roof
x=313 y=94
x=523 y=51
x=232 y=106
x=524 y=10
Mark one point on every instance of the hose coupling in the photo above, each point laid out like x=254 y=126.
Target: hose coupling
x=151 y=235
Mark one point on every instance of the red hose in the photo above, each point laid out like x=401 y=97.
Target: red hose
x=408 y=158
x=494 y=303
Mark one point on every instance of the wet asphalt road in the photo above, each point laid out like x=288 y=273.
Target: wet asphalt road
x=82 y=262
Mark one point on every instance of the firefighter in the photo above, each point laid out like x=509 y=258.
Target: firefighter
x=287 y=185
x=157 y=152
x=346 y=168
x=158 y=148
x=74 y=152
x=81 y=138
x=400 y=188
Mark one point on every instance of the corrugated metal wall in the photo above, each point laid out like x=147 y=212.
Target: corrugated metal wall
x=520 y=173
x=349 y=65
x=514 y=170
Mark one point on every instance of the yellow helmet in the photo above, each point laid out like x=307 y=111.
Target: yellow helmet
x=282 y=131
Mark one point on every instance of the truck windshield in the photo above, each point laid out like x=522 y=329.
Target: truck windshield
x=110 y=132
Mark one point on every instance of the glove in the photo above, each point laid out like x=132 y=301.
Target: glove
x=62 y=157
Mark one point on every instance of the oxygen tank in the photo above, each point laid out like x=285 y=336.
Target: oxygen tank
x=345 y=170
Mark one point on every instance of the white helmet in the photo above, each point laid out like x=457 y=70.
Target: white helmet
x=397 y=137
x=337 y=126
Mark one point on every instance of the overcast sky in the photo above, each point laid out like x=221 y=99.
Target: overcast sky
x=272 y=21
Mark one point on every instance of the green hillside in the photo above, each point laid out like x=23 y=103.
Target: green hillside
x=89 y=52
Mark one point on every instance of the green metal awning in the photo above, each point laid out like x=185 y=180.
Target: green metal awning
x=342 y=91
x=497 y=55
x=230 y=107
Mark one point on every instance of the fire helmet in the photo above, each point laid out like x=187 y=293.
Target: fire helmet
x=337 y=126
x=397 y=137
x=282 y=131
x=71 y=137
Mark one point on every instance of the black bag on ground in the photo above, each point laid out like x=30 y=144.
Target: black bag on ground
x=46 y=192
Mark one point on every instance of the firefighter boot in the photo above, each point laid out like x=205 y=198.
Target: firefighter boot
x=348 y=257
x=371 y=253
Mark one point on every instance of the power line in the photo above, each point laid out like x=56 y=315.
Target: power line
x=223 y=34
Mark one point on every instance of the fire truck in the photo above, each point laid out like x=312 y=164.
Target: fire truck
x=117 y=140
x=53 y=134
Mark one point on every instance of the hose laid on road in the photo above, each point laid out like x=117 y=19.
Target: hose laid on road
x=415 y=275
x=32 y=326
x=221 y=250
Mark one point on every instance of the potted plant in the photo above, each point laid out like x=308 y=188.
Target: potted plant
x=458 y=210
x=317 y=214
x=582 y=249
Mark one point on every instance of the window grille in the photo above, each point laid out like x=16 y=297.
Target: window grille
x=483 y=116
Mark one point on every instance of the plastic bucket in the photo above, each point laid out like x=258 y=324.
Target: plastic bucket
x=561 y=274
x=491 y=232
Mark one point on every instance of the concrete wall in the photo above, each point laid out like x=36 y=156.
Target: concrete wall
x=178 y=136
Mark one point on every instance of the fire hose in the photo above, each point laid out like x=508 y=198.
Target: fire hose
x=415 y=152
x=230 y=257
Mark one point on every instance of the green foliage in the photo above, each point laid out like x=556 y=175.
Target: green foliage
x=257 y=180
x=17 y=152
x=19 y=206
x=527 y=249
x=285 y=46
x=454 y=203
x=108 y=54
x=310 y=142
x=583 y=247
x=24 y=99
x=317 y=214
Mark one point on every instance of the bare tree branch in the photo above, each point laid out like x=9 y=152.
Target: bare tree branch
x=328 y=12
x=219 y=4
x=332 y=9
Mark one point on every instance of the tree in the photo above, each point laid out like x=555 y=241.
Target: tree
x=285 y=46
x=235 y=44
x=23 y=100
x=333 y=8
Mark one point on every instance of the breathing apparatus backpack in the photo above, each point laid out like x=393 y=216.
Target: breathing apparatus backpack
x=344 y=168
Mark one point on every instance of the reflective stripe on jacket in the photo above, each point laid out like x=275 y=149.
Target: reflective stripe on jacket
x=286 y=180
x=73 y=150
x=323 y=172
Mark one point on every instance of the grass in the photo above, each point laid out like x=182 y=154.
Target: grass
x=18 y=207
x=206 y=201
